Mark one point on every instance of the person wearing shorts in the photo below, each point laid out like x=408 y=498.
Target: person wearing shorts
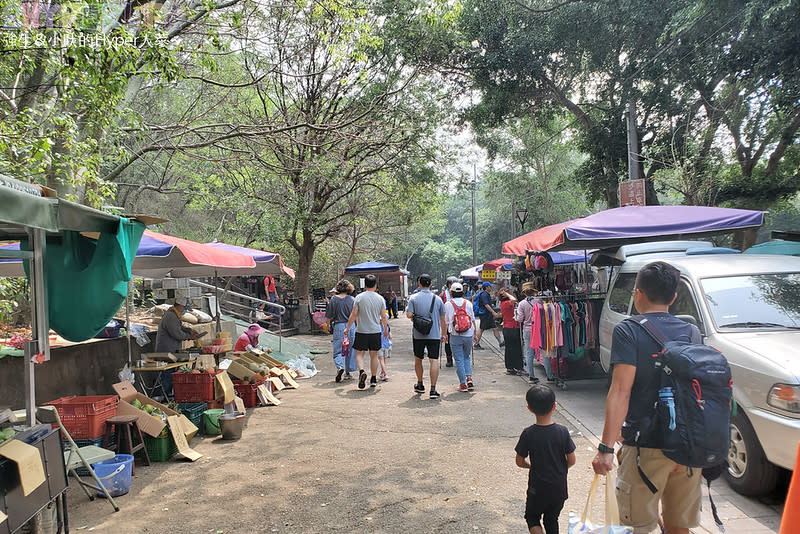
x=369 y=316
x=420 y=304
x=631 y=397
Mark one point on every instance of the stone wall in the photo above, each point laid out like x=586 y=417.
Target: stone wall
x=82 y=369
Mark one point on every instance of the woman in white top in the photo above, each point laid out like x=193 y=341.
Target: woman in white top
x=461 y=332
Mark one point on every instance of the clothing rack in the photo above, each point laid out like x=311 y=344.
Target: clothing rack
x=570 y=344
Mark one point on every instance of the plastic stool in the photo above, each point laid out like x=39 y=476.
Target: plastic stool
x=125 y=423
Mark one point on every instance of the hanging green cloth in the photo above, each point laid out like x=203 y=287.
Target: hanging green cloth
x=87 y=279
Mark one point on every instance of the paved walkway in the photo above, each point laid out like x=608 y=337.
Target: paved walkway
x=333 y=458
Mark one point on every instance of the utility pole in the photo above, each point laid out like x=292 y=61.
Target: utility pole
x=513 y=215
x=474 y=241
x=633 y=144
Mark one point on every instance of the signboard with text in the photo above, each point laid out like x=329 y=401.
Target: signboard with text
x=631 y=193
x=488 y=274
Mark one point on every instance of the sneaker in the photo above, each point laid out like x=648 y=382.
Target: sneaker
x=462 y=387
x=348 y=376
x=362 y=380
x=477 y=346
x=384 y=377
x=434 y=394
x=502 y=343
x=551 y=379
x=470 y=385
x=419 y=387
x=521 y=372
x=339 y=374
x=533 y=380
x=449 y=363
x=373 y=382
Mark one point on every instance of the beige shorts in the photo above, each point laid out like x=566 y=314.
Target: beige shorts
x=678 y=491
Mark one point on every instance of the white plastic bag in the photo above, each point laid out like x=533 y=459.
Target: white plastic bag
x=584 y=523
x=304 y=365
x=126 y=374
x=138 y=331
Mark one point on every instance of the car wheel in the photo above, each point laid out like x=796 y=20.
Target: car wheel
x=749 y=472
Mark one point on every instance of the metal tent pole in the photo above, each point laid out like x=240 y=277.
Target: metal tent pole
x=40 y=327
x=216 y=298
x=128 y=320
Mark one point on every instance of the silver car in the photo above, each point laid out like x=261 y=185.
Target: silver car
x=748 y=307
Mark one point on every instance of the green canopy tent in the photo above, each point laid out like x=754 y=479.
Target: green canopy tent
x=78 y=263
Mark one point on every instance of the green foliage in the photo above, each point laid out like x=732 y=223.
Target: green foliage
x=14 y=301
x=714 y=83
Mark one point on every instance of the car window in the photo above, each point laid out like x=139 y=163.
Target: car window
x=684 y=303
x=620 y=298
x=754 y=301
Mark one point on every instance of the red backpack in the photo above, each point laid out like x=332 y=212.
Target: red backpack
x=462 y=322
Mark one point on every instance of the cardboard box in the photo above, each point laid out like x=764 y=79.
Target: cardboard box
x=223 y=388
x=239 y=371
x=149 y=424
x=29 y=463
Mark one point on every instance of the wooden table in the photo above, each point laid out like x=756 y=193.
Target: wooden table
x=155 y=383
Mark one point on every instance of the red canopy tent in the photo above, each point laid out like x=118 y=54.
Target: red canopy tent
x=495 y=264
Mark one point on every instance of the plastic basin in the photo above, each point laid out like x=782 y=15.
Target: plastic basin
x=231 y=425
x=211 y=421
x=115 y=474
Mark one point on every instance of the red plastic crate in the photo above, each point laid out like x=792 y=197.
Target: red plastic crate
x=85 y=417
x=193 y=387
x=247 y=392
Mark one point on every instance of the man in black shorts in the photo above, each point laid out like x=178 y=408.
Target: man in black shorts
x=420 y=304
x=369 y=313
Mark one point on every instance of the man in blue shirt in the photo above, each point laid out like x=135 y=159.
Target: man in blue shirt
x=420 y=304
x=486 y=315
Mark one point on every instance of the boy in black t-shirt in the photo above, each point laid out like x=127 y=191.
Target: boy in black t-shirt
x=552 y=453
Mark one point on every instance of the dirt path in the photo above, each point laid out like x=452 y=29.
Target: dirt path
x=334 y=458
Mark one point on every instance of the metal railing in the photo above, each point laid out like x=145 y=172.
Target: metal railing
x=271 y=307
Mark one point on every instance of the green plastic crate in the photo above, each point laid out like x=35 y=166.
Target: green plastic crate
x=159 y=449
x=193 y=411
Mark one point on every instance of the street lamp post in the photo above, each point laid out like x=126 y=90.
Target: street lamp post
x=522 y=217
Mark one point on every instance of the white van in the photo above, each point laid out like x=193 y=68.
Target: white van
x=748 y=307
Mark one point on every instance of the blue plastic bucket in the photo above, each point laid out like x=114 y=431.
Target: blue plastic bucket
x=115 y=474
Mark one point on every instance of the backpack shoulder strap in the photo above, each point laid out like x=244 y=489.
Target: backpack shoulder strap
x=650 y=328
x=433 y=301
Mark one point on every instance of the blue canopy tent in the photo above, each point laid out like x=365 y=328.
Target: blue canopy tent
x=776 y=246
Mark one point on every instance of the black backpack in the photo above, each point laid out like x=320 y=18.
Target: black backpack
x=695 y=432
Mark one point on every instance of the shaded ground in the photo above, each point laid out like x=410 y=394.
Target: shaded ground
x=333 y=458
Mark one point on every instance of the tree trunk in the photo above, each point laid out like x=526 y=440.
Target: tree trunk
x=304 y=258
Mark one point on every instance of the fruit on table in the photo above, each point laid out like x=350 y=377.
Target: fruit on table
x=6 y=434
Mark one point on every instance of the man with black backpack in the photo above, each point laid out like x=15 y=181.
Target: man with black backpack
x=426 y=311
x=663 y=380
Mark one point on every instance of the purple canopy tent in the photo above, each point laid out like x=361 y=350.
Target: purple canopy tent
x=635 y=224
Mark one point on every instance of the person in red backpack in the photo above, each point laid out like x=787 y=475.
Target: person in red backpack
x=445 y=296
x=461 y=334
